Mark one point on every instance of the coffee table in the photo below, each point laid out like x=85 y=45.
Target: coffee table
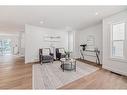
x=68 y=64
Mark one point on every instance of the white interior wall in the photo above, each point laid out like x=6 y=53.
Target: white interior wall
x=22 y=44
x=34 y=39
x=108 y=63
x=81 y=38
x=71 y=43
x=76 y=44
x=70 y=40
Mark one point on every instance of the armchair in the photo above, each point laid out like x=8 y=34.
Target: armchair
x=60 y=53
x=45 y=55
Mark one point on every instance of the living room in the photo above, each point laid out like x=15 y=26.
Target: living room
x=60 y=47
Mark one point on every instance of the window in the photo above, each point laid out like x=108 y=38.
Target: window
x=5 y=46
x=118 y=40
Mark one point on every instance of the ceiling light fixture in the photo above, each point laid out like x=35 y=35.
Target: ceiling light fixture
x=41 y=22
x=96 y=13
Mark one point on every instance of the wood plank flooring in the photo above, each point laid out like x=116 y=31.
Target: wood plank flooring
x=90 y=63
x=14 y=74
x=101 y=79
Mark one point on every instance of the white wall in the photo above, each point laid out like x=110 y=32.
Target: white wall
x=108 y=63
x=81 y=37
x=71 y=43
x=76 y=44
x=70 y=40
x=34 y=39
x=22 y=44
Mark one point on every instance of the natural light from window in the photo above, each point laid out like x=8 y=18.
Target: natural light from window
x=118 y=39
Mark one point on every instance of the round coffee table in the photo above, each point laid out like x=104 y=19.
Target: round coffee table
x=68 y=64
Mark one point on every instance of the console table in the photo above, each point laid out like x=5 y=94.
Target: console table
x=96 y=51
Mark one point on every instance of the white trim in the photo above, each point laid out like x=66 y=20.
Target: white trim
x=118 y=59
x=114 y=70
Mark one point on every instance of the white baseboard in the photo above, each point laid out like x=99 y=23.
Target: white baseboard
x=33 y=61
x=114 y=70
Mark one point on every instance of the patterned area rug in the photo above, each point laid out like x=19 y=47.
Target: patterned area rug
x=51 y=76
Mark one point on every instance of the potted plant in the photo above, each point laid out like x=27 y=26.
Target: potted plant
x=68 y=54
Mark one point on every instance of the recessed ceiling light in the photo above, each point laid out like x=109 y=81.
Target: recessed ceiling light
x=96 y=13
x=41 y=22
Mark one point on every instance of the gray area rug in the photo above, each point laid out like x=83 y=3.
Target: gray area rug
x=51 y=76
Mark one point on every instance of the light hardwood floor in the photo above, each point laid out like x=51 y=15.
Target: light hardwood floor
x=14 y=74
x=101 y=79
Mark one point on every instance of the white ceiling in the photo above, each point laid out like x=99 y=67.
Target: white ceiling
x=13 y=18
